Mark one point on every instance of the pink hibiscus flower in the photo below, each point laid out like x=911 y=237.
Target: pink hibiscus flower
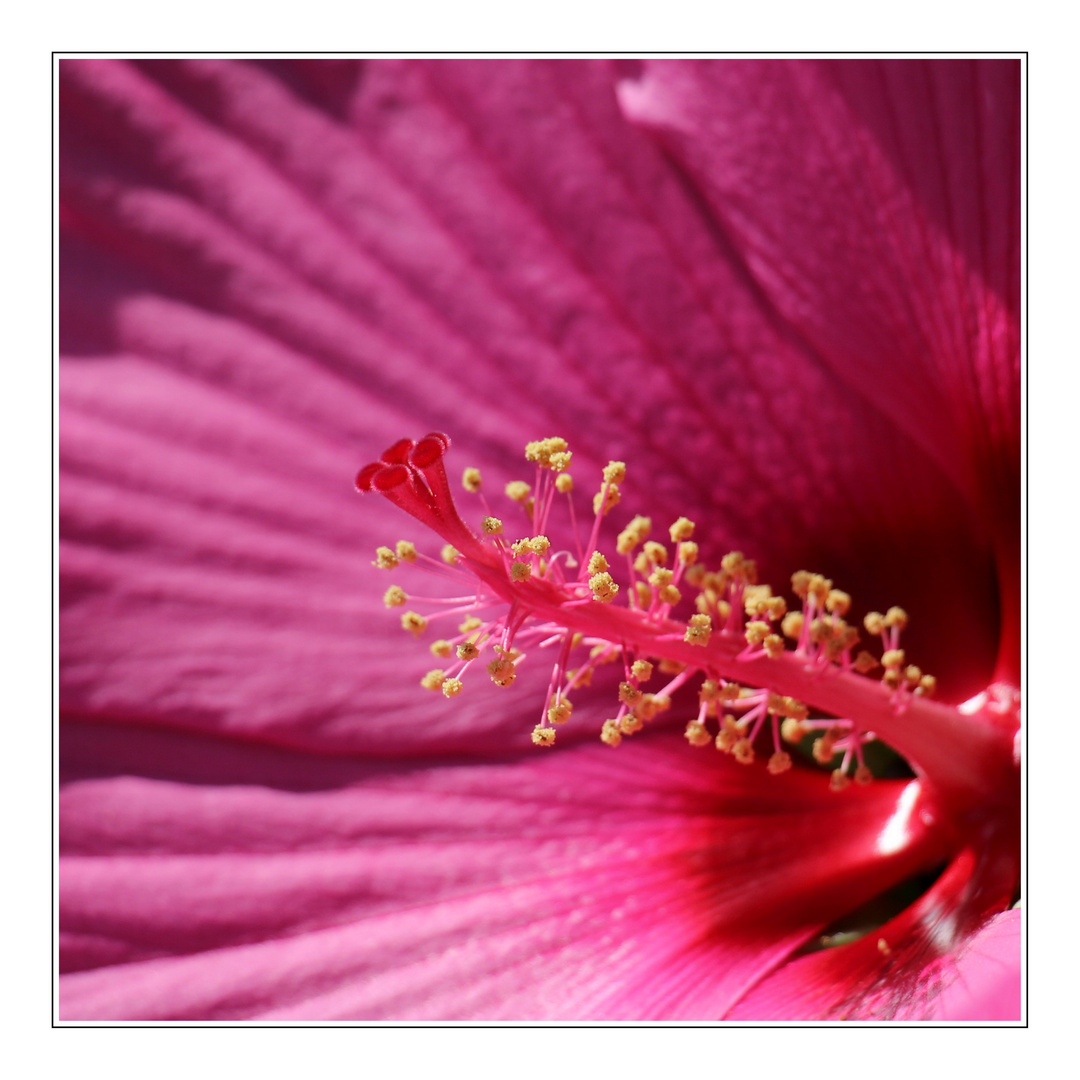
x=785 y=292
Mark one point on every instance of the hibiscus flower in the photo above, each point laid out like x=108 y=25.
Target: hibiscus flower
x=785 y=292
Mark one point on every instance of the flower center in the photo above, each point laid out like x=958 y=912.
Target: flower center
x=767 y=675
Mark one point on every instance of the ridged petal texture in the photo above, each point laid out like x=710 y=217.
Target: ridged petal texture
x=783 y=292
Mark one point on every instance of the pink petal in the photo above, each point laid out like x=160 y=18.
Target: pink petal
x=588 y=885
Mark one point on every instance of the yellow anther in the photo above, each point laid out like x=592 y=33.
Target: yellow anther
x=434 y=679
x=819 y=588
x=611 y=496
x=603 y=587
x=414 y=623
x=633 y=534
x=518 y=490
x=655 y=552
x=709 y=690
x=651 y=704
x=661 y=577
x=756 y=633
x=779 y=763
x=442 y=648
x=774 y=608
x=572 y=676
x=520 y=571
x=467 y=651
x=800 y=583
x=630 y=724
x=597 y=563
x=897 y=617
x=863 y=775
x=492 y=526
x=699 y=630
x=697 y=734
x=823 y=749
x=549 y=453
x=755 y=598
x=864 y=663
x=695 y=574
x=615 y=472
x=560 y=712
x=469 y=624
x=874 y=622
x=502 y=671
x=792 y=625
x=892 y=658
x=927 y=685
x=564 y=483
x=610 y=733
x=883 y=947
x=731 y=692
x=730 y=734
x=820 y=631
x=792 y=731
x=912 y=673
x=629 y=694
x=470 y=480
x=687 y=553
x=543 y=736
x=452 y=687
x=839 y=780
x=683 y=529
x=642 y=564
x=385 y=559
x=669 y=595
x=641 y=670
x=743 y=751
x=643 y=593
x=891 y=678
x=406 y=551
x=773 y=646
x=793 y=708
x=449 y=554
x=602 y=653
x=671 y=667
x=837 y=602
x=394 y=596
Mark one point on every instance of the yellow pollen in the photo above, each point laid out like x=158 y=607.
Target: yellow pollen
x=610 y=733
x=614 y=472
x=543 y=736
x=823 y=750
x=695 y=574
x=641 y=670
x=452 y=687
x=564 y=483
x=883 y=947
x=891 y=678
x=837 y=602
x=469 y=624
x=518 y=490
x=549 y=453
x=643 y=593
x=502 y=671
x=385 y=559
x=865 y=663
x=697 y=734
x=449 y=554
x=470 y=480
x=415 y=624
x=820 y=587
x=779 y=763
x=611 y=496
x=492 y=526
x=897 y=617
x=912 y=673
x=893 y=658
x=560 y=712
x=406 y=550
x=709 y=690
x=442 y=648
x=434 y=679
x=597 y=563
x=687 y=553
x=792 y=625
x=670 y=595
x=800 y=583
x=520 y=571
x=661 y=577
x=863 y=775
x=792 y=731
x=467 y=651
x=927 y=685
x=633 y=534
x=699 y=630
x=394 y=596
x=839 y=780
x=773 y=646
x=671 y=667
x=603 y=587
x=874 y=622
x=756 y=632
x=651 y=704
x=629 y=694
x=655 y=552
x=683 y=529
x=743 y=751
x=630 y=724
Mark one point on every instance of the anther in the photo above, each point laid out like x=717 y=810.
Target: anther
x=564 y=483
x=779 y=763
x=897 y=617
x=698 y=630
x=697 y=734
x=743 y=751
x=560 y=712
x=520 y=571
x=452 y=687
x=433 y=680
x=603 y=587
x=609 y=732
x=839 y=780
x=502 y=671
x=633 y=534
x=543 y=736
x=406 y=551
x=683 y=529
x=414 y=623
x=655 y=552
x=449 y=554
x=641 y=670
x=492 y=526
x=597 y=563
x=442 y=648
x=470 y=480
x=611 y=497
x=467 y=651
x=395 y=596
x=518 y=490
x=385 y=559
x=615 y=472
